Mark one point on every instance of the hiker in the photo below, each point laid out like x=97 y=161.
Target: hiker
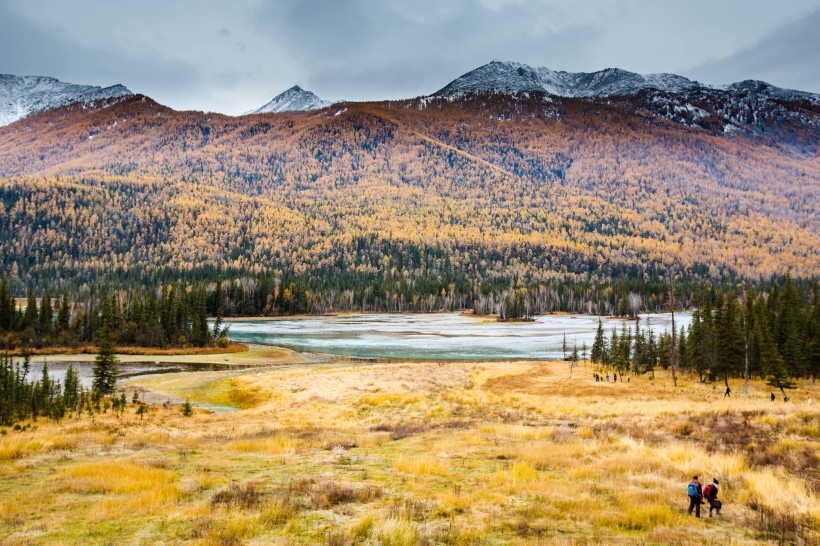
x=695 y=496
x=773 y=397
x=596 y=377
x=615 y=376
x=728 y=391
x=628 y=377
x=710 y=493
x=607 y=377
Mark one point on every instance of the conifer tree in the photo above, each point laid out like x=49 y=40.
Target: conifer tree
x=6 y=310
x=46 y=314
x=64 y=314
x=30 y=317
x=598 y=346
x=106 y=364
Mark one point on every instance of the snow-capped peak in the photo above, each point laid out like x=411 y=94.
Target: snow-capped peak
x=21 y=96
x=294 y=99
x=512 y=77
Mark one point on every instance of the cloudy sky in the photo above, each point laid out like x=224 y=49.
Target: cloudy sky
x=234 y=56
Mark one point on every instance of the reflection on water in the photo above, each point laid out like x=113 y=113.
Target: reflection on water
x=438 y=335
x=57 y=369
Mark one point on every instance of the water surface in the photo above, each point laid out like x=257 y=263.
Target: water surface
x=450 y=336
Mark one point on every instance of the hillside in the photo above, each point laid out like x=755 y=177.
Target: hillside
x=473 y=190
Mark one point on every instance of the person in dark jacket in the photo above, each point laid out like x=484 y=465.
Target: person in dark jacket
x=695 y=492
x=710 y=493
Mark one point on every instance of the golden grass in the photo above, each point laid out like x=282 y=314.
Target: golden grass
x=435 y=453
x=113 y=477
x=421 y=465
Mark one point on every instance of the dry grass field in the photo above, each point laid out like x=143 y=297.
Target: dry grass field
x=419 y=453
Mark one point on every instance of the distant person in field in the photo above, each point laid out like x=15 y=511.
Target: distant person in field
x=615 y=377
x=728 y=392
x=695 y=492
x=628 y=377
x=710 y=493
x=773 y=397
x=607 y=377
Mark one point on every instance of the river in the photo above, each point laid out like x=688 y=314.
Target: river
x=437 y=336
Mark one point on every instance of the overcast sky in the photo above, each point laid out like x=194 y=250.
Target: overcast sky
x=232 y=56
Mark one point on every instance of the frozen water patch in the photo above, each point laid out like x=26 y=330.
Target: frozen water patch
x=438 y=336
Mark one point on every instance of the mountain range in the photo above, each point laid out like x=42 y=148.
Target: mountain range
x=21 y=96
x=507 y=174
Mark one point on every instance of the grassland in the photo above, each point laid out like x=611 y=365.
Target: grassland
x=419 y=453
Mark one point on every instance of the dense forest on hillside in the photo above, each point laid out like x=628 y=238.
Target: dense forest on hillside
x=773 y=335
x=411 y=205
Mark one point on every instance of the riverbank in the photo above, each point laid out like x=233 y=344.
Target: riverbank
x=233 y=347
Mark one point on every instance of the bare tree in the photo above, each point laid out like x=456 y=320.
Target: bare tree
x=635 y=303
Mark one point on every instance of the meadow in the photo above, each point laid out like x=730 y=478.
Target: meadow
x=419 y=453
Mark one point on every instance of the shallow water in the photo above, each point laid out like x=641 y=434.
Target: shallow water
x=445 y=336
x=57 y=369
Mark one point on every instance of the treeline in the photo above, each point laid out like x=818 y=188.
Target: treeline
x=773 y=335
x=23 y=397
x=169 y=316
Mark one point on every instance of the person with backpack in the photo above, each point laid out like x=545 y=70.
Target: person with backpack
x=710 y=493
x=695 y=492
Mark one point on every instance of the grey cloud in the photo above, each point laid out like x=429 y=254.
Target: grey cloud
x=369 y=48
x=788 y=57
x=27 y=48
x=234 y=56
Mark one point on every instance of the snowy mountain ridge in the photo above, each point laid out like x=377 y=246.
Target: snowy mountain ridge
x=511 y=77
x=21 y=96
x=294 y=99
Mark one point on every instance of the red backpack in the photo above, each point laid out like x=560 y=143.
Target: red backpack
x=707 y=491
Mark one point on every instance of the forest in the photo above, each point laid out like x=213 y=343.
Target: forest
x=406 y=206
x=773 y=336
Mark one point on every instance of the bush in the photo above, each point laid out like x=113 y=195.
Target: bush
x=238 y=496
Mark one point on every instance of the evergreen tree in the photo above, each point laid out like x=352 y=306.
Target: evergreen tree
x=31 y=315
x=64 y=314
x=777 y=374
x=6 y=304
x=71 y=388
x=789 y=328
x=598 y=346
x=564 y=346
x=728 y=341
x=46 y=314
x=106 y=364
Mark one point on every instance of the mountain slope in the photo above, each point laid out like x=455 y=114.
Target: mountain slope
x=21 y=96
x=294 y=99
x=512 y=77
x=753 y=108
x=477 y=189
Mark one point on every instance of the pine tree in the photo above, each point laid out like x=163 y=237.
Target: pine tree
x=728 y=341
x=789 y=328
x=31 y=315
x=46 y=315
x=64 y=314
x=106 y=364
x=598 y=346
x=71 y=389
x=6 y=310
x=777 y=374
x=564 y=346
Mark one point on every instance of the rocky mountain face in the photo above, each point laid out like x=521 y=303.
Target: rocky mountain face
x=294 y=99
x=748 y=107
x=21 y=96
